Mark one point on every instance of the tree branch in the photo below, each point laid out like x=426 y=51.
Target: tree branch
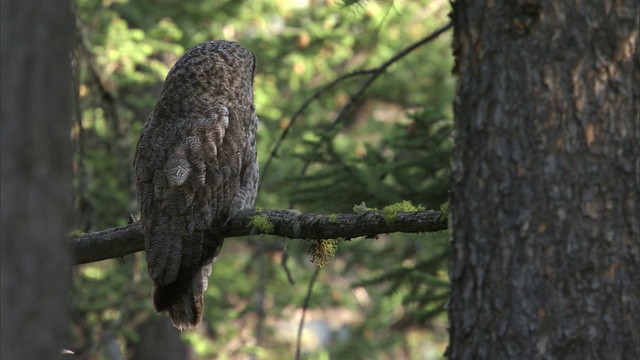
x=124 y=240
x=373 y=75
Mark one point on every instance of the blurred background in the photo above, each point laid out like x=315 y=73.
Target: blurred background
x=380 y=298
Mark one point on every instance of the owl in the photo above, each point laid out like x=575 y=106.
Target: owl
x=195 y=167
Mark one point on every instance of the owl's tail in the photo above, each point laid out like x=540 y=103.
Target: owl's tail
x=184 y=300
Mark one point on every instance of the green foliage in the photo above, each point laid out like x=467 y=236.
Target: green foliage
x=409 y=162
x=427 y=285
x=107 y=300
x=392 y=144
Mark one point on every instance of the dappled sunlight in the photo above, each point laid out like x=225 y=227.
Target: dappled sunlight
x=329 y=146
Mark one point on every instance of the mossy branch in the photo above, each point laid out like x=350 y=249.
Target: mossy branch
x=124 y=240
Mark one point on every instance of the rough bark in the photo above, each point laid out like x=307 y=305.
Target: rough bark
x=548 y=137
x=36 y=177
x=124 y=240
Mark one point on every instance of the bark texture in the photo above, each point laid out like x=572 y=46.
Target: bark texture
x=548 y=138
x=36 y=177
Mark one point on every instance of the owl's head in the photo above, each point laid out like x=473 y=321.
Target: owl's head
x=213 y=72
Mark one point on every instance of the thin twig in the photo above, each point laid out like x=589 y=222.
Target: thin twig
x=111 y=102
x=283 y=262
x=375 y=74
x=82 y=199
x=260 y=295
x=274 y=151
x=305 y=305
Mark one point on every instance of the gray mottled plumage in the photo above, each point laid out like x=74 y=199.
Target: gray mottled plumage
x=195 y=168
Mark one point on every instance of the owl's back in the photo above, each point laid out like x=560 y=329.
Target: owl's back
x=195 y=167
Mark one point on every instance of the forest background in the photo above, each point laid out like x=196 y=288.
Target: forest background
x=382 y=298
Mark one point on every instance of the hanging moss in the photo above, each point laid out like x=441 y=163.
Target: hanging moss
x=322 y=251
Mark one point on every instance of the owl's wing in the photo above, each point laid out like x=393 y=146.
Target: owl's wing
x=177 y=198
x=246 y=194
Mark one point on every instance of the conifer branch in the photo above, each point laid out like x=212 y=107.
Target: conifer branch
x=124 y=240
x=372 y=74
x=316 y=95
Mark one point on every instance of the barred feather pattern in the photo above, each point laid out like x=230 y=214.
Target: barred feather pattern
x=195 y=168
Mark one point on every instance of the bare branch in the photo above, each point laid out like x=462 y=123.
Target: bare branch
x=305 y=306
x=373 y=75
x=274 y=151
x=124 y=240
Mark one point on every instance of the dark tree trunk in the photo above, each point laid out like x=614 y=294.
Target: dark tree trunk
x=36 y=177
x=159 y=340
x=546 y=180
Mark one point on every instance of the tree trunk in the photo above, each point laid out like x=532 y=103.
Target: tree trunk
x=172 y=347
x=546 y=180
x=36 y=177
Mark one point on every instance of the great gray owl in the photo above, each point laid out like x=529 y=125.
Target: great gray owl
x=195 y=168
